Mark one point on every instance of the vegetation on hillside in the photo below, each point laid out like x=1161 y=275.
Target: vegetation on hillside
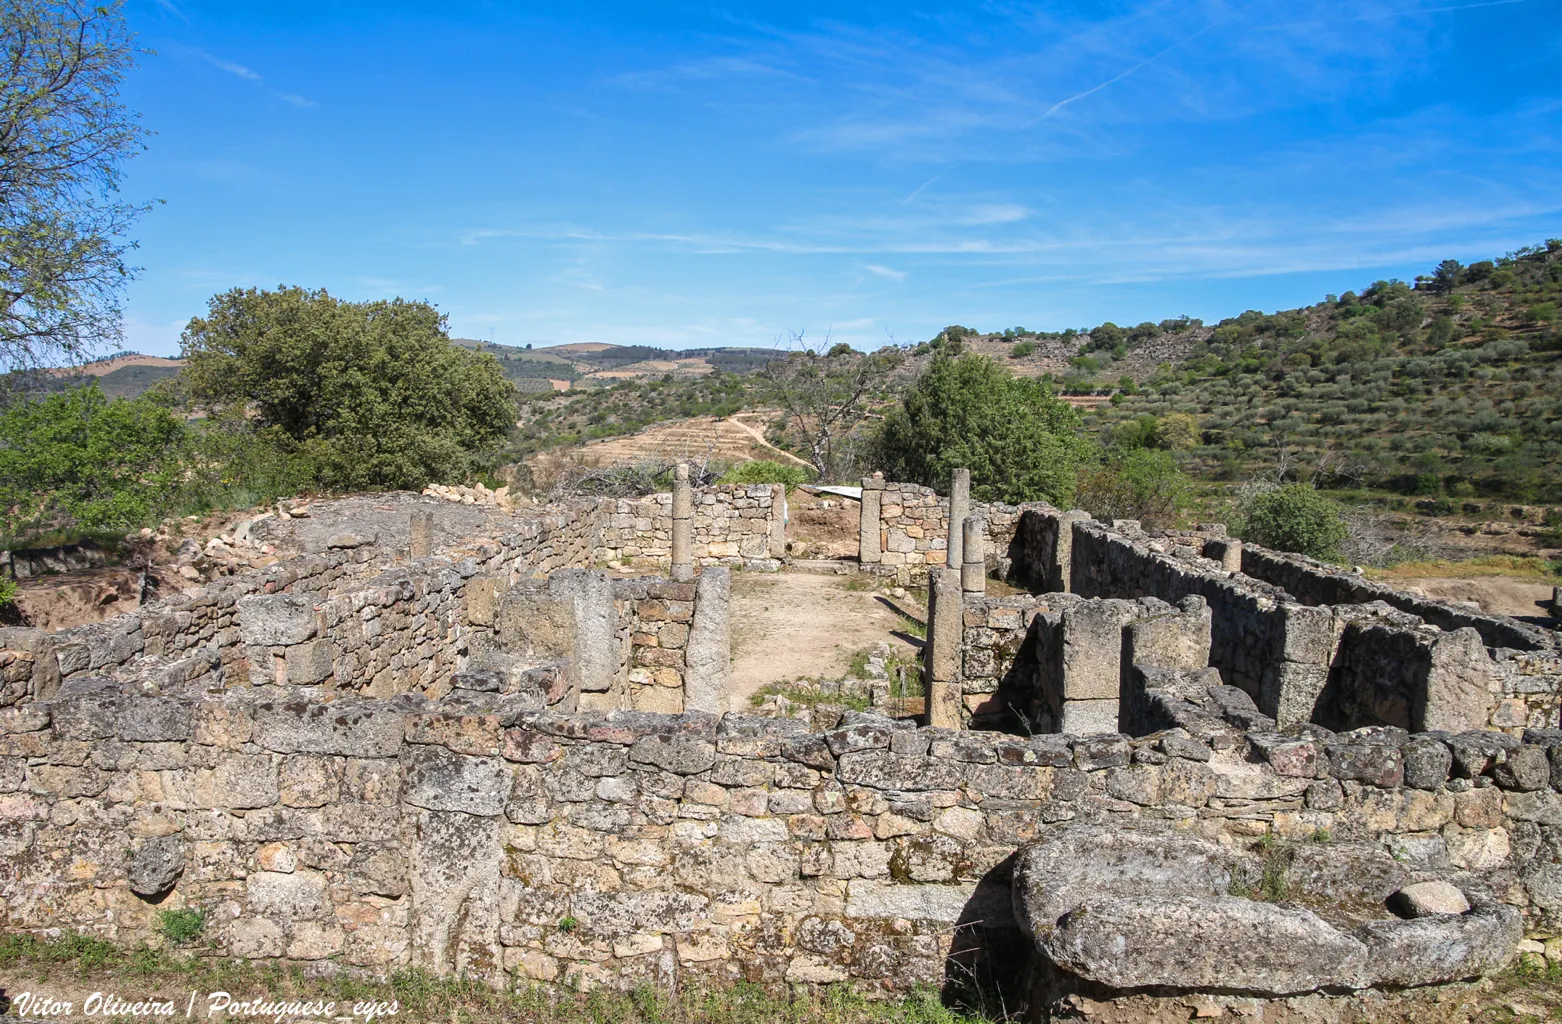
x=1448 y=389
x=560 y=419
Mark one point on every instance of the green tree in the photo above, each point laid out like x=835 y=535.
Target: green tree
x=76 y=460
x=1446 y=277
x=1018 y=440
x=1177 y=432
x=1295 y=517
x=373 y=393
x=64 y=137
x=1136 y=483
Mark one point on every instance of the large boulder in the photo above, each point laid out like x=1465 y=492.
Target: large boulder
x=1072 y=864
x=1204 y=942
x=1153 y=908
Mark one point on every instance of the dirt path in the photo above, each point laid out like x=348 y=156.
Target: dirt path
x=786 y=625
x=759 y=438
x=1501 y=595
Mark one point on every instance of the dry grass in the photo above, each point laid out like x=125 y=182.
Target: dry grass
x=74 y=966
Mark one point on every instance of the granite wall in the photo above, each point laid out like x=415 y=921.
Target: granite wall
x=739 y=526
x=482 y=835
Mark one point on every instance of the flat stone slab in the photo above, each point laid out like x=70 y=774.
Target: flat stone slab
x=1153 y=909
x=1204 y=942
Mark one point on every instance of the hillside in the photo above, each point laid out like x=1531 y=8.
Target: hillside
x=1449 y=388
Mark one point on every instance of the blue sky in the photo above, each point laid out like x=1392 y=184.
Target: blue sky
x=719 y=175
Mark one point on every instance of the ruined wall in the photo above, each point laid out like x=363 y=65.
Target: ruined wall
x=1526 y=675
x=654 y=623
x=912 y=524
x=627 y=848
x=1306 y=662
x=389 y=616
x=741 y=525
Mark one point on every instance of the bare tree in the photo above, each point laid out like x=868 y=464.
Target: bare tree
x=826 y=392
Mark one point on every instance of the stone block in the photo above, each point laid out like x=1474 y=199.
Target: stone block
x=244 y=781
x=1525 y=769
x=708 y=656
x=1092 y=648
x=363 y=729
x=1088 y=717
x=154 y=720
x=1427 y=762
x=276 y=620
x=437 y=780
x=292 y=896
x=155 y=866
x=309 y=663
x=482 y=600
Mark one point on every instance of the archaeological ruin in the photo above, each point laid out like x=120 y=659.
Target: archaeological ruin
x=1153 y=774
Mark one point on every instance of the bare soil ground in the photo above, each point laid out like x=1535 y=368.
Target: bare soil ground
x=826 y=525
x=77 y=598
x=1500 y=595
x=793 y=624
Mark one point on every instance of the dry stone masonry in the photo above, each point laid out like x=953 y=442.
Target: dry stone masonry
x=1173 y=775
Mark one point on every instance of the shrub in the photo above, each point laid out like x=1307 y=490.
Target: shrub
x=1021 y=350
x=1139 y=483
x=766 y=471
x=77 y=460
x=1295 y=518
x=373 y=392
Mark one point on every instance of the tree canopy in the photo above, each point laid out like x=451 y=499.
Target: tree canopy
x=64 y=137
x=825 y=397
x=78 y=461
x=373 y=393
x=1018 y=439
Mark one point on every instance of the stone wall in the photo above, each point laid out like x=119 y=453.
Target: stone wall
x=741 y=526
x=1344 y=665
x=1526 y=674
x=655 y=622
x=481 y=836
x=387 y=614
x=912 y=527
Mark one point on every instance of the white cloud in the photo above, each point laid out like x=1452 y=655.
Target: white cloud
x=879 y=270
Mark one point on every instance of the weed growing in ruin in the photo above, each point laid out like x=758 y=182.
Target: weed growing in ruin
x=1271 y=884
x=807 y=692
x=568 y=924
x=181 y=927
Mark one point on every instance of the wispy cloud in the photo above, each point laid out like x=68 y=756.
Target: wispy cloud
x=250 y=75
x=168 y=6
x=879 y=270
x=231 y=67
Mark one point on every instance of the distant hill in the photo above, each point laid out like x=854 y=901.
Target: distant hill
x=587 y=363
